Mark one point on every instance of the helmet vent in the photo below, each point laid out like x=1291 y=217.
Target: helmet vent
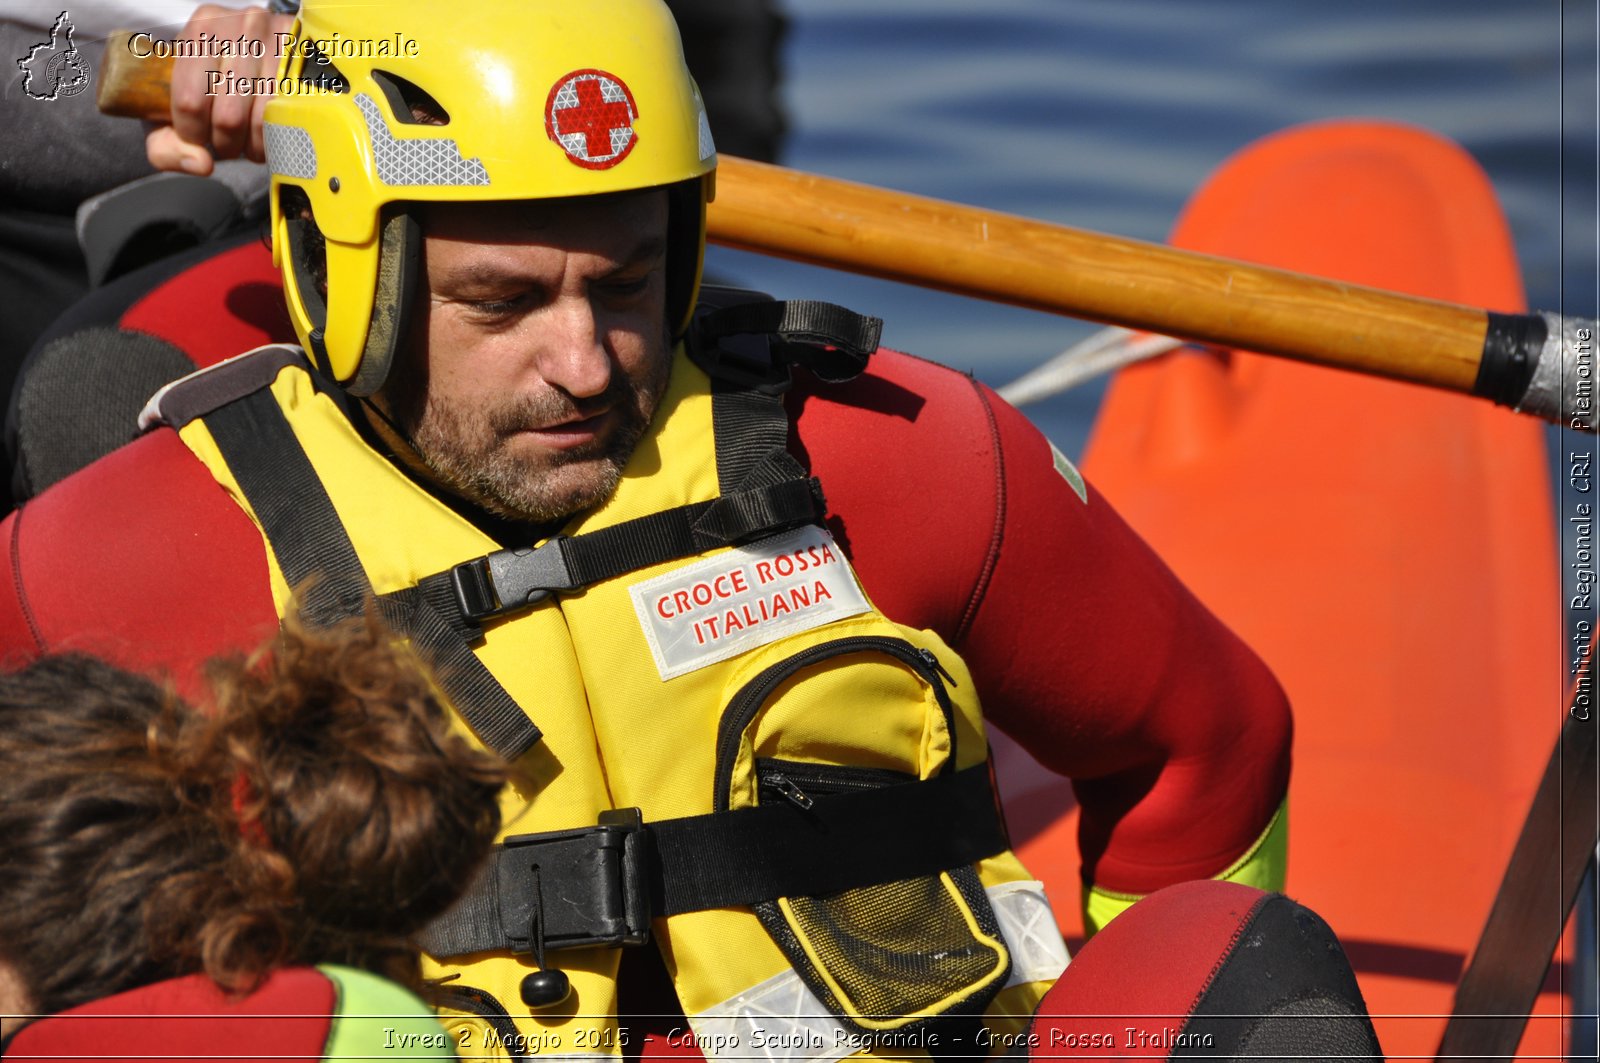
x=408 y=102
x=318 y=70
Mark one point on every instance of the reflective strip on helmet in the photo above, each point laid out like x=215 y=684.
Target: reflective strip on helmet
x=1038 y=953
x=428 y=161
x=290 y=152
x=782 y=1020
x=708 y=147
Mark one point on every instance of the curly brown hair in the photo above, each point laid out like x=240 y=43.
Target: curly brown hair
x=323 y=812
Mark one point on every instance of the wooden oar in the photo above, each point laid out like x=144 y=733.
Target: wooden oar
x=1533 y=362
x=1515 y=359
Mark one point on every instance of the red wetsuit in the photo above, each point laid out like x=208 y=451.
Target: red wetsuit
x=1085 y=647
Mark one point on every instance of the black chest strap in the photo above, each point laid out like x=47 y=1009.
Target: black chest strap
x=602 y=885
x=318 y=560
x=508 y=581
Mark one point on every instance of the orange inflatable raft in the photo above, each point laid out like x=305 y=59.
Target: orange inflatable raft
x=1389 y=550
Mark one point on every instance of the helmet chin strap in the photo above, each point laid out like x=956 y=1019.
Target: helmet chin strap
x=300 y=231
x=384 y=424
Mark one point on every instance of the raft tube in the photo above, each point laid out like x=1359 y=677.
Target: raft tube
x=1389 y=550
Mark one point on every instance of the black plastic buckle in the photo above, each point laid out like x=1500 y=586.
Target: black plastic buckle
x=508 y=580
x=748 y=359
x=569 y=888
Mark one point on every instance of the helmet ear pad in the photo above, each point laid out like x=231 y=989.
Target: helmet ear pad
x=399 y=264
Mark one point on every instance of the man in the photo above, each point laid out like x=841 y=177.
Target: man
x=604 y=537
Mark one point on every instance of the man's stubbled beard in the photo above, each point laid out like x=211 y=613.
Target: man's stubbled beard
x=465 y=448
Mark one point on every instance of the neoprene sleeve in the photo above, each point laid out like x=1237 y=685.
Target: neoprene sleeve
x=1085 y=646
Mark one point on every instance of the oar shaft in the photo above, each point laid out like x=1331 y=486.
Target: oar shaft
x=1521 y=361
x=1524 y=926
x=1517 y=360
x=1028 y=263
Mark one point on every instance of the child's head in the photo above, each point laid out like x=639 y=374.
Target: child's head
x=320 y=811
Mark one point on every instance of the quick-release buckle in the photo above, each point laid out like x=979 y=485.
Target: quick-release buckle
x=569 y=888
x=508 y=580
x=747 y=359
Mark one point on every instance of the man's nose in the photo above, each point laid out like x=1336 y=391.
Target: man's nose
x=575 y=358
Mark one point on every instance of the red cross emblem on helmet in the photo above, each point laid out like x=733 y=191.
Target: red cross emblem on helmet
x=590 y=113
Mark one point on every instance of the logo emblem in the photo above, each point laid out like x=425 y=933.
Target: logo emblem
x=731 y=602
x=54 y=69
x=590 y=113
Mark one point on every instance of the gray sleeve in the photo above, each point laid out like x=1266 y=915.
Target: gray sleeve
x=57 y=152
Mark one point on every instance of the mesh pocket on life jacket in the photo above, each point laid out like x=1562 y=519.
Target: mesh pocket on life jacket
x=893 y=956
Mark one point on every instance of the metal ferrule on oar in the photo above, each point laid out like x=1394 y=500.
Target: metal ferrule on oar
x=1541 y=364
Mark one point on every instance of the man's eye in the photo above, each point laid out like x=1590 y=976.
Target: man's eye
x=629 y=286
x=498 y=307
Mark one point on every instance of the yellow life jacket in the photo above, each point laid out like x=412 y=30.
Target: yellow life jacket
x=820 y=863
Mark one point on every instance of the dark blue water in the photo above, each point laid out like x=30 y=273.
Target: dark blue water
x=1104 y=114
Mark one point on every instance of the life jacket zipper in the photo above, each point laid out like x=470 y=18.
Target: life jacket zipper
x=750 y=698
x=828 y=778
x=790 y=790
x=790 y=779
x=933 y=662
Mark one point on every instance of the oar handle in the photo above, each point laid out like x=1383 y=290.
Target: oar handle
x=134 y=85
x=1537 y=363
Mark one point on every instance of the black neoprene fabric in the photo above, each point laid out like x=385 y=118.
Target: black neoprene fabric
x=1284 y=991
x=81 y=399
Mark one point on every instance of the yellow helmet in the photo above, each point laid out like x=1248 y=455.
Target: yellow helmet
x=393 y=101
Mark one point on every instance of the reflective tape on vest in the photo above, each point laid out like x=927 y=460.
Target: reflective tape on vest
x=782 y=1020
